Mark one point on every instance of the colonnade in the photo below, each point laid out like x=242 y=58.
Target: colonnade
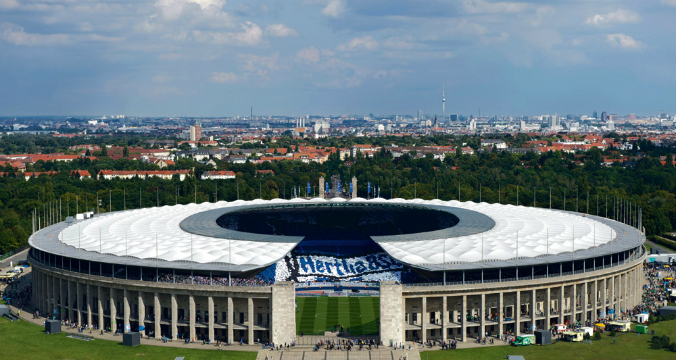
x=231 y=314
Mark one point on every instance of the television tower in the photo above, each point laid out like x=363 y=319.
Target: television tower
x=443 y=102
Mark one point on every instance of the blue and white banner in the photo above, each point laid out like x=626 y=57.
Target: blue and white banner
x=327 y=186
x=347 y=267
x=351 y=188
x=309 y=189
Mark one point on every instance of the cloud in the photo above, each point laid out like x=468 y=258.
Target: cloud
x=223 y=77
x=484 y=7
x=617 y=17
x=259 y=65
x=669 y=2
x=334 y=8
x=624 y=41
x=280 y=30
x=251 y=36
x=308 y=55
x=364 y=42
x=173 y=9
x=16 y=35
x=9 y=4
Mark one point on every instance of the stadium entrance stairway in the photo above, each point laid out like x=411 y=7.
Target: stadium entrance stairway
x=310 y=354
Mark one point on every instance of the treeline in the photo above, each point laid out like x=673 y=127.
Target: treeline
x=492 y=177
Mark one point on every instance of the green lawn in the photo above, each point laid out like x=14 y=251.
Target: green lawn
x=23 y=340
x=316 y=315
x=628 y=347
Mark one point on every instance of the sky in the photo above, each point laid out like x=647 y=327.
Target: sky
x=336 y=57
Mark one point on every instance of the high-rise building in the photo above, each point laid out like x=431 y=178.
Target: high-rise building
x=554 y=122
x=631 y=117
x=454 y=117
x=595 y=115
x=604 y=116
x=420 y=115
x=195 y=132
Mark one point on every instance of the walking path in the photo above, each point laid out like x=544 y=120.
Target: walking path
x=309 y=354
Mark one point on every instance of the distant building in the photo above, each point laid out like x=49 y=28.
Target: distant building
x=195 y=132
x=217 y=175
x=498 y=143
x=604 y=116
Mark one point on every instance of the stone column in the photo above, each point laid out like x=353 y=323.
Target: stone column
x=174 y=317
x=55 y=291
x=113 y=311
x=463 y=317
x=424 y=319
x=45 y=294
x=89 y=305
x=501 y=313
x=191 y=306
x=231 y=321
x=573 y=304
x=157 y=309
x=533 y=307
x=627 y=301
x=210 y=309
x=562 y=306
x=620 y=297
x=251 y=321
x=482 y=315
x=517 y=313
x=67 y=304
x=62 y=297
x=583 y=300
x=78 y=300
x=126 y=309
x=141 y=314
x=548 y=308
x=444 y=318
x=100 y=306
x=283 y=312
x=603 y=297
x=612 y=294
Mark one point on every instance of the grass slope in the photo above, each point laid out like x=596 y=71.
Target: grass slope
x=628 y=346
x=22 y=340
x=317 y=314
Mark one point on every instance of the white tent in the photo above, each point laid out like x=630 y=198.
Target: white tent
x=641 y=318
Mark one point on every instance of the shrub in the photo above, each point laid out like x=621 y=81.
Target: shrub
x=597 y=336
x=660 y=342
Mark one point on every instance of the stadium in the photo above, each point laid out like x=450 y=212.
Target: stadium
x=394 y=269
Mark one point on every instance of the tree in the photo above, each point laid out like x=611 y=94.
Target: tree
x=104 y=151
x=125 y=151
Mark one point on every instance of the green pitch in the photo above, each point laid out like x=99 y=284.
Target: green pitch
x=315 y=315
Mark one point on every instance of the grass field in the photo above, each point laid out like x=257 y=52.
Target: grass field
x=628 y=347
x=23 y=340
x=316 y=315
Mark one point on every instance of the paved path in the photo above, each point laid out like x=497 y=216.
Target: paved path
x=310 y=354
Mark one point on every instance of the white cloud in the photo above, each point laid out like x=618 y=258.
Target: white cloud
x=259 y=65
x=251 y=36
x=173 y=9
x=669 y=2
x=280 y=30
x=16 y=35
x=9 y=4
x=404 y=43
x=364 y=42
x=483 y=7
x=334 y=8
x=616 y=17
x=624 y=41
x=308 y=54
x=223 y=77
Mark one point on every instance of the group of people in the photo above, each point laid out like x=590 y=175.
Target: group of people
x=214 y=280
x=277 y=347
x=347 y=344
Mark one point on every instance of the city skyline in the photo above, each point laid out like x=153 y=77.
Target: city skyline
x=339 y=57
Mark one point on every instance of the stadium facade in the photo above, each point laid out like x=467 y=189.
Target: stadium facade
x=230 y=270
